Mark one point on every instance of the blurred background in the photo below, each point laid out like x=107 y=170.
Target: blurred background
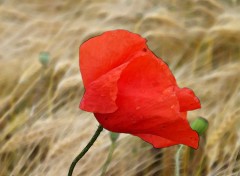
x=41 y=127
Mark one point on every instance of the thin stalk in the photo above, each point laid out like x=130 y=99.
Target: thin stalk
x=177 y=160
x=109 y=158
x=84 y=151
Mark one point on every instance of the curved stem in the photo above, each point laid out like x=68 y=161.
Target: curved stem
x=84 y=151
x=177 y=160
x=109 y=158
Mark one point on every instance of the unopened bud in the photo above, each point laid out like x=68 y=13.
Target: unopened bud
x=44 y=58
x=113 y=136
x=200 y=125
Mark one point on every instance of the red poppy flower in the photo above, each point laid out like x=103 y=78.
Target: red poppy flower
x=130 y=90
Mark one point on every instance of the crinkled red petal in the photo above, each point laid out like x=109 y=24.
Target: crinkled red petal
x=147 y=103
x=156 y=141
x=177 y=132
x=101 y=94
x=101 y=54
x=187 y=99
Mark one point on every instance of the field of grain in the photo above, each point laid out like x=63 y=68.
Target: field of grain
x=41 y=127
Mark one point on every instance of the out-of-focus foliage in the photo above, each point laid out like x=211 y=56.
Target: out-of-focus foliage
x=42 y=129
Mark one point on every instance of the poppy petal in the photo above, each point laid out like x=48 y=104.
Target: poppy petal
x=101 y=54
x=187 y=99
x=148 y=104
x=156 y=141
x=101 y=94
x=173 y=134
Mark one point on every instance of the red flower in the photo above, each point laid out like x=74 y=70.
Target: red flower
x=130 y=90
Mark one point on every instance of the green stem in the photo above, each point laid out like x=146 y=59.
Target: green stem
x=84 y=151
x=177 y=160
x=109 y=158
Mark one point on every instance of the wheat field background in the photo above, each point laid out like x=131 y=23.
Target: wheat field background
x=41 y=127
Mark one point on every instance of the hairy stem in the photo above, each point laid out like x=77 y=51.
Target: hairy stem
x=84 y=151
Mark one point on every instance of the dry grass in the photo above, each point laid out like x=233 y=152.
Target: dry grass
x=42 y=128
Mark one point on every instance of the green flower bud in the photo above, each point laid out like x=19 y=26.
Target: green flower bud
x=200 y=125
x=113 y=136
x=44 y=58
